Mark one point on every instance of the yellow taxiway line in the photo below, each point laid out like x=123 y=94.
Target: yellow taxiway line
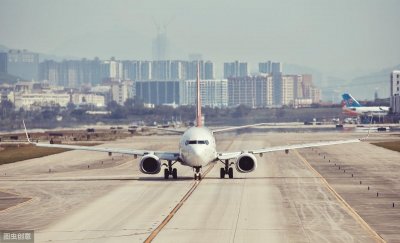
x=157 y=230
x=17 y=205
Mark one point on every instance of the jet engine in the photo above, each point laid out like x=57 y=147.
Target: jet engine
x=150 y=164
x=246 y=163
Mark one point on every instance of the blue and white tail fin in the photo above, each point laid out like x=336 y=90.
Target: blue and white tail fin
x=349 y=101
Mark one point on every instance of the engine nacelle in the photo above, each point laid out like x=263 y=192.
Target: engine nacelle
x=246 y=163
x=150 y=164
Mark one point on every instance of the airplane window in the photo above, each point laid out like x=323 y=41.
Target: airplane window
x=201 y=142
x=206 y=142
x=186 y=142
x=192 y=142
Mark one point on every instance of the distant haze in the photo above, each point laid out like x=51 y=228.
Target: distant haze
x=341 y=36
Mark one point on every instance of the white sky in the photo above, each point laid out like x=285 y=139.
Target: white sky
x=332 y=36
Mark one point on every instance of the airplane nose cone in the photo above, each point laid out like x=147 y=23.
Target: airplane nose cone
x=198 y=156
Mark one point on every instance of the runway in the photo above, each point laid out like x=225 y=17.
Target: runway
x=284 y=200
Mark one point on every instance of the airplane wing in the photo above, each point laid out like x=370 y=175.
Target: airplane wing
x=168 y=130
x=238 y=127
x=163 y=155
x=232 y=155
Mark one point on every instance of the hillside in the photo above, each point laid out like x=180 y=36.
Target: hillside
x=364 y=87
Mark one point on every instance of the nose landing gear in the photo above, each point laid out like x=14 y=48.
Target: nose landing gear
x=228 y=170
x=197 y=173
x=170 y=171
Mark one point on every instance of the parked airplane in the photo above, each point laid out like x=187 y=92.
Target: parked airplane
x=197 y=149
x=351 y=106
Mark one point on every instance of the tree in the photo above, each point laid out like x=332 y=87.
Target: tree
x=241 y=111
x=6 y=108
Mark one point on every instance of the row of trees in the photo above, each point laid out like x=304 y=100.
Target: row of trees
x=132 y=110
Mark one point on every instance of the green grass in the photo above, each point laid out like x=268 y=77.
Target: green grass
x=13 y=153
x=395 y=145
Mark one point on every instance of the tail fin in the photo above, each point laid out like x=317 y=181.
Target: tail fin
x=349 y=101
x=199 y=121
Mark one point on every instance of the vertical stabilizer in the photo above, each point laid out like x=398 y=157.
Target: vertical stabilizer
x=349 y=101
x=199 y=121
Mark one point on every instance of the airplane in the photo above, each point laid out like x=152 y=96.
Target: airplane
x=351 y=107
x=197 y=149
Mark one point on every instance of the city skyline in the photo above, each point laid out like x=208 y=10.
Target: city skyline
x=335 y=37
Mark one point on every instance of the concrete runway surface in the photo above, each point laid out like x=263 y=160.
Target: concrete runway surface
x=295 y=197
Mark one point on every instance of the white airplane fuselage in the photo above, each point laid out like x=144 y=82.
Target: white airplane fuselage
x=197 y=147
x=367 y=110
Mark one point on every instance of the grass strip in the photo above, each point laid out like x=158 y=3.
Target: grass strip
x=11 y=154
x=393 y=145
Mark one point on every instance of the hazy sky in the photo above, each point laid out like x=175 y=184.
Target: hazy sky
x=333 y=36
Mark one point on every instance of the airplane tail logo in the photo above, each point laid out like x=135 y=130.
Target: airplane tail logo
x=349 y=101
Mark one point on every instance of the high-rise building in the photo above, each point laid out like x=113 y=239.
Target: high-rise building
x=161 y=46
x=73 y=73
x=116 y=69
x=23 y=64
x=3 y=62
x=287 y=90
x=145 y=70
x=214 y=93
x=121 y=91
x=208 y=70
x=161 y=70
x=277 y=88
x=158 y=92
x=49 y=70
x=191 y=69
x=265 y=67
x=315 y=95
x=243 y=70
x=177 y=70
x=251 y=91
x=131 y=70
x=306 y=85
x=235 y=69
x=297 y=86
x=276 y=67
x=395 y=91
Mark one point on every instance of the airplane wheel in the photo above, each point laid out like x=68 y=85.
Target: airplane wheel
x=166 y=173
x=230 y=172
x=222 y=173
x=199 y=177
x=195 y=177
x=175 y=173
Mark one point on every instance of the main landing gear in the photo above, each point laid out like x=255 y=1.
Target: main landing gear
x=228 y=170
x=170 y=171
x=197 y=173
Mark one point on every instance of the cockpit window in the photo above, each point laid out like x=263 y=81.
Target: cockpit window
x=196 y=142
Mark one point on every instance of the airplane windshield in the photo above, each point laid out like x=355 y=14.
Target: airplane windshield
x=196 y=142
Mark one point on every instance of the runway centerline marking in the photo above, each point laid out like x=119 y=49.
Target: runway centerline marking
x=157 y=230
x=350 y=210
